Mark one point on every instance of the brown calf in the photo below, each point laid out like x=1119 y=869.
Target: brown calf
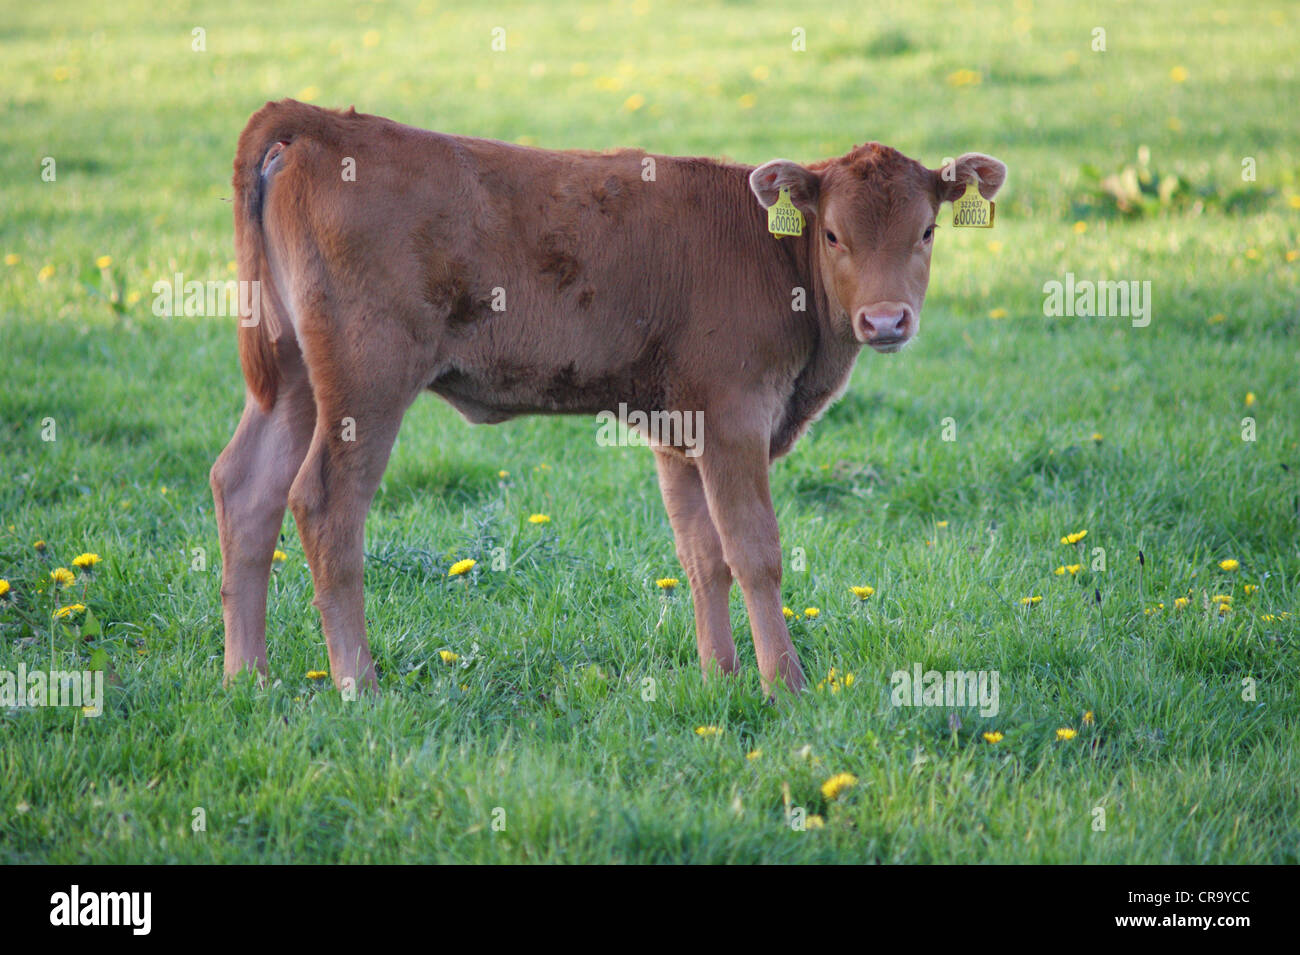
x=512 y=280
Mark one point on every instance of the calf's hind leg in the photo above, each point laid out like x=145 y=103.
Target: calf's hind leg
x=361 y=396
x=250 y=487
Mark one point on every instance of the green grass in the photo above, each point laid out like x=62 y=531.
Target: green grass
x=544 y=716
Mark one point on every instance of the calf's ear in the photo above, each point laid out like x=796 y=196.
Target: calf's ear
x=985 y=171
x=769 y=179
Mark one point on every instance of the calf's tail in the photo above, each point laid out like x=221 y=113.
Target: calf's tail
x=265 y=146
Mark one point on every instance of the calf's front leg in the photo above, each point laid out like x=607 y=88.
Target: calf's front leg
x=733 y=468
x=700 y=551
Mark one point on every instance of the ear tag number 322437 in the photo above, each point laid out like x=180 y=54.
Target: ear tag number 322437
x=972 y=211
x=783 y=218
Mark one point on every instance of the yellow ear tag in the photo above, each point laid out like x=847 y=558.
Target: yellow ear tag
x=782 y=216
x=972 y=211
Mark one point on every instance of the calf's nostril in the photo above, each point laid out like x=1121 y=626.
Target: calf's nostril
x=883 y=322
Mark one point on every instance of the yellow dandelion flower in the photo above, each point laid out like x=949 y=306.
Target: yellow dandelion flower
x=835 y=681
x=279 y=557
x=39 y=545
x=62 y=575
x=1088 y=718
x=5 y=587
x=862 y=593
x=370 y=39
x=1066 y=732
x=667 y=583
x=1268 y=617
x=1096 y=436
x=1180 y=603
x=46 y=273
x=708 y=730
x=634 y=102
x=317 y=674
x=754 y=754
x=1229 y=565
x=1060 y=571
x=1250 y=589
x=1156 y=609
x=964 y=78
x=104 y=261
x=787 y=613
x=85 y=561
x=448 y=657
x=811 y=612
x=1074 y=538
x=941 y=524
x=132 y=298
x=748 y=101
x=12 y=258
x=993 y=736
x=837 y=784
x=63 y=613
x=308 y=93
x=1080 y=227
x=814 y=822
x=503 y=474
x=1030 y=601
x=461 y=567
x=1178 y=74
x=539 y=519
x=1292 y=254
x=995 y=246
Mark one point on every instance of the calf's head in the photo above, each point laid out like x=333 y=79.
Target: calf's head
x=872 y=215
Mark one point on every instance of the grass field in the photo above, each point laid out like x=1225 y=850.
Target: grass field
x=1134 y=434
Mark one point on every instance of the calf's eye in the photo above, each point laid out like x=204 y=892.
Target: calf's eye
x=830 y=237
x=929 y=234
